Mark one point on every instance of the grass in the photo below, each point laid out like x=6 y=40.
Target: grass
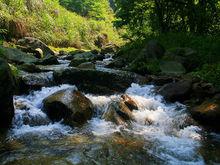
x=53 y=24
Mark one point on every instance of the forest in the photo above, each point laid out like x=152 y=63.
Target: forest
x=109 y=82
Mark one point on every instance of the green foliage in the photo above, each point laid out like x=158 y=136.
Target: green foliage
x=96 y=9
x=144 y=16
x=209 y=73
x=55 y=25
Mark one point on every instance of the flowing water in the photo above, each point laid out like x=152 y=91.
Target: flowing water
x=171 y=136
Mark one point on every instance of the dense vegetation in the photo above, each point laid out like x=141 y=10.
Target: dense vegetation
x=54 y=24
x=174 y=23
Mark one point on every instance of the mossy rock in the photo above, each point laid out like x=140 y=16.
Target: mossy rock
x=172 y=68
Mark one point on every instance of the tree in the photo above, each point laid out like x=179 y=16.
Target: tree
x=195 y=16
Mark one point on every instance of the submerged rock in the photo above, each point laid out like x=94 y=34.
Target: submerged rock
x=7 y=86
x=177 y=91
x=98 y=81
x=70 y=105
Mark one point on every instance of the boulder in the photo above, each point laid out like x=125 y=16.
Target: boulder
x=87 y=65
x=202 y=89
x=48 y=60
x=119 y=113
x=30 y=68
x=13 y=55
x=117 y=63
x=129 y=102
x=186 y=56
x=208 y=113
x=177 y=91
x=172 y=68
x=86 y=55
x=70 y=105
x=98 y=80
x=76 y=62
x=33 y=44
x=38 y=53
x=7 y=87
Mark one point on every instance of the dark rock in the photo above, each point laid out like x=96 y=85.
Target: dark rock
x=38 y=53
x=70 y=105
x=86 y=55
x=208 y=113
x=177 y=91
x=87 y=65
x=48 y=60
x=7 y=88
x=34 y=43
x=13 y=55
x=117 y=63
x=161 y=80
x=98 y=81
x=202 y=89
x=172 y=68
x=77 y=62
x=31 y=68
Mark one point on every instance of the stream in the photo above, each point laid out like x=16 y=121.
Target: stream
x=171 y=137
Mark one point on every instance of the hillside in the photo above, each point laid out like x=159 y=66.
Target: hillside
x=53 y=23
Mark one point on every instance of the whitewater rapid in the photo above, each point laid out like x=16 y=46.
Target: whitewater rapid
x=170 y=135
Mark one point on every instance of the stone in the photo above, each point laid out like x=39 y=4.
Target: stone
x=208 y=113
x=172 y=68
x=98 y=81
x=16 y=56
x=129 y=102
x=70 y=105
x=7 y=88
x=76 y=62
x=87 y=65
x=34 y=43
x=177 y=91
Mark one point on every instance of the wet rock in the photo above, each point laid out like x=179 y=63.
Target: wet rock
x=177 y=91
x=87 y=65
x=31 y=68
x=33 y=44
x=208 y=113
x=117 y=63
x=70 y=105
x=30 y=81
x=38 y=53
x=129 y=102
x=119 y=113
x=161 y=80
x=48 y=60
x=77 y=62
x=98 y=80
x=13 y=55
x=7 y=87
x=202 y=89
x=172 y=68
x=86 y=55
